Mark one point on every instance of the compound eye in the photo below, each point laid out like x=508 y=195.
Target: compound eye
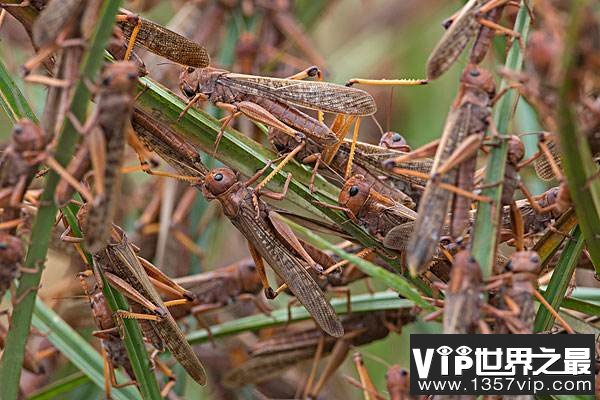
x=474 y=73
x=18 y=129
x=534 y=259
x=188 y=91
x=132 y=76
x=397 y=137
x=106 y=81
x=190 y=70
x=218 y=177
x=353 y=191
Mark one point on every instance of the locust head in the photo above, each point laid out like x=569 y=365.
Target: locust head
x=477 y=77
x=218 y=181
x=27 y=136
x=516 y=150
x=397 y=380
x=395 y=141
x=355 y=193
x=193 y=81
x=11 y=249
x=121 y=76
x=525 y=265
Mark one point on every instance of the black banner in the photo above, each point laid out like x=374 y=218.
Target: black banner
x=501 y=364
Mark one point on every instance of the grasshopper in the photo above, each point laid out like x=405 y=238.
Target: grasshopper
x=217 y=289
x=271 y=356
x=366 y=162
x=178 y=153
x=465 y=126
x=133 y=277
x=274 y=101
x=464 y=295
x=106 y=135
x=18 y=165
x=270 y=239
x=397 y=380
x=383 y=218
x=477 y=18
x=112 y=343
x=516 y=297
x=161 y=41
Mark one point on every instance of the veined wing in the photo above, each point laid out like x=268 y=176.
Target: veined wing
x=167 y=44
x=323 y=96
x=454 y=40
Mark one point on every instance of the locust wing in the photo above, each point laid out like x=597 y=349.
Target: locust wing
x=322 y=96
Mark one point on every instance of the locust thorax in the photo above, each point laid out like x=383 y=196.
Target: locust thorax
x=516 y=150
x=27 y=136
x=355 y=193
x=476 y=77
x=120 y=77
x=218 y=181
x=11 y=248
x=395 y=141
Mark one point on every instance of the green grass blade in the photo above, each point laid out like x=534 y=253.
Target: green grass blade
x=488 y=214
x=560 y=280
x=77 y=350
x=61 y=386
x=12 y=100
x=133 y=339
x=44 y=220
x=577 y=160
x=360 y=303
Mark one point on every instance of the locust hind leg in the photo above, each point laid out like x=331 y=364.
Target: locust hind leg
x=260 y=267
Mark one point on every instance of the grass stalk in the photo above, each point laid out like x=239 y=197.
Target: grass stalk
x=485 y=232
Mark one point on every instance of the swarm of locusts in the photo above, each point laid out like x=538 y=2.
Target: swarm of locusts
x=152 y=246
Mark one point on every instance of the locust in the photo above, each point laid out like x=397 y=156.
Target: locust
x=463 y=133
x=367 y=161
x=134 y=278
x=382 y=217
x=178 y=153
x=272 y=240
x=112 y=344
x=517 y=295
x=11 y=255
x=270 y=356
x=275 y=101
x=18 y=165
x=397 y=381
x=216 y=289
x=161 y=41
x=477 y=18
x=464 y=295
x=106 y=135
